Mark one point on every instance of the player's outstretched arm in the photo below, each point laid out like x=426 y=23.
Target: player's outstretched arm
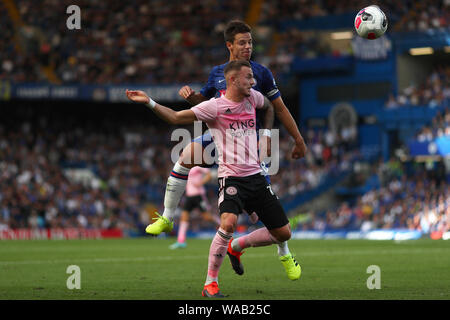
x=191 y=96
x=166 y=114
x=288 y=121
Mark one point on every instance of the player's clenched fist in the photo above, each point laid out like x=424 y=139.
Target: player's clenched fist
x=299 y=151
x=137 y=96
x=186 y=92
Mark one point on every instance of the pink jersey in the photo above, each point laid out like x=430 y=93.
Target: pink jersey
x=194 y=186
x=233 y=128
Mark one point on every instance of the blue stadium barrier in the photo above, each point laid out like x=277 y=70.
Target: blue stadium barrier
x=373 y=182
x=432 y=38
x=291 y=202
x=381 y=234
x=302 y=65
x=329 y=22
x=96 y=93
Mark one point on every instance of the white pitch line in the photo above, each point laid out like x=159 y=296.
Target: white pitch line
x=204 y=257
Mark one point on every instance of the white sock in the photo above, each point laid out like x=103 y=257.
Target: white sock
x=235 y=245
x=283 y=248
x=176 y=183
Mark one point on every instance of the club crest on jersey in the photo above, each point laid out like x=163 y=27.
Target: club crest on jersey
x=248 y=106
x=231 y=191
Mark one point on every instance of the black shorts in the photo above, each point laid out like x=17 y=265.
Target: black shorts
x=190 y=203
x=252 y=194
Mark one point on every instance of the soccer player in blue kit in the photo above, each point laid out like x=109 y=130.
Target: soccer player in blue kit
x=239 y=43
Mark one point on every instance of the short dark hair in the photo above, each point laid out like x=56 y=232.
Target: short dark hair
x=233 y=28
x=236 y=65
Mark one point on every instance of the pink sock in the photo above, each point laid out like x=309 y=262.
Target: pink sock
x=184 y=225
x=217 y=253
x=258 y=238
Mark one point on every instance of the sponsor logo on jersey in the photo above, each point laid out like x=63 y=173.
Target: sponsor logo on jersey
x=242 y=124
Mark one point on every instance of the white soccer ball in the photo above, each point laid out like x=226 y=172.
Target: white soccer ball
x=371 y=22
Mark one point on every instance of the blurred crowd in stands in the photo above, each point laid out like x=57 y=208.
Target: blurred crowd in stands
x=65 y=171
x=162 y=42
x=116 y=172
x=424 y=16
x=432 y=92
x=329 y=154
x=77 y=173
x=70 y=173
x=411 y=195
x=402 y=15
x=119 y=42
x=439 y=127
x=414 y=200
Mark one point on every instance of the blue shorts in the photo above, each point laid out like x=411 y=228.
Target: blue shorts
x=206 y=139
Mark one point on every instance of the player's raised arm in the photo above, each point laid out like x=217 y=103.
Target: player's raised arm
x=264 y=139
x=269 y=114
x=167 y=114
x=288 y=121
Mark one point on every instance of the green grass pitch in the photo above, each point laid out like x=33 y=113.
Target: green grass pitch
x=145 y=269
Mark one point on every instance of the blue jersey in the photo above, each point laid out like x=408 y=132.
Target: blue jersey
x=265 y=83
x=216 y=86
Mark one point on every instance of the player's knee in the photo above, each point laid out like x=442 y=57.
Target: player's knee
x=184 y=216
x=228 y=226
x=283 y=235
x=228 y=222
x=192 y=155
x=186 y=162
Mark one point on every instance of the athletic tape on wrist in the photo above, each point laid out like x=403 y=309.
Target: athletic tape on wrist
x=151 y=104
x=266 y=132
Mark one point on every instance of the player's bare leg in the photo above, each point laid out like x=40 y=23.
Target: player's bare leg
x=182 y=230
x=264 y=237
x=176 y=184
x=217 y=253
x=208 y=216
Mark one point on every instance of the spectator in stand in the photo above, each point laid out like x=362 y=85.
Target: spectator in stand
x=120 y=42
x=146 y=42
x=433 y=92
x=120 y=168
x=417 y=202
x=439 y=127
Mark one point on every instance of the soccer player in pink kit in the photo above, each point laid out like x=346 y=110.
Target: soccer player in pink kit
x=195 y=198
x=239 y=42
x=231 y=120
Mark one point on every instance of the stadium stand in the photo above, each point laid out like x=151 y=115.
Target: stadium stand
x=100 y=169
x=433 y=92
x=131 y=42
x=104 y=175
x=414 y=201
